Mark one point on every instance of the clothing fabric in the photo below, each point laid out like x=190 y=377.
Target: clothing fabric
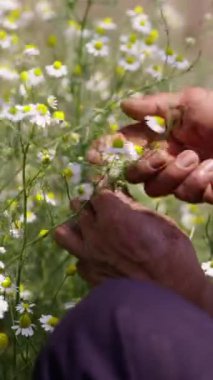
x=130 y=330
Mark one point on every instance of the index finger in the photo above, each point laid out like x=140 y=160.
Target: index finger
x=162 y=104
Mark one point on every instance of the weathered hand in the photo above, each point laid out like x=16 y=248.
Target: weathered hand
x=184 y=166
x=114 y=237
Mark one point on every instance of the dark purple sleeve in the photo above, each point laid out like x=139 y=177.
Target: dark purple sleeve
x=129 y=330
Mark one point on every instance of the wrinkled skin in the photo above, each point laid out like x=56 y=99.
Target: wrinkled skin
x=183 y=163
x=117 y=237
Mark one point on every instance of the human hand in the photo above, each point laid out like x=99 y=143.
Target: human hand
x=184 y=165
x=117 y=237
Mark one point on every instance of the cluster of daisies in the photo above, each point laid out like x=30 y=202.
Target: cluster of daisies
x=138 y=49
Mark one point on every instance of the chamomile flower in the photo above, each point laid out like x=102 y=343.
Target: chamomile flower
x=46 y=156
x=31 y=50
x=167 y=56
x=12 y=114
x=191 y=216
x=50 y=198
x=84 y=191
x=9 y=5
x=155 y=71
x=35 y=77
x=8 y=74
x=31 y=217
x=98 y=47
x=156 y=123
x=2 y=250
x=181 y=63
x=3 y=307
x=24 y=307
x=5 y=39
x=142 y=24
x=57 y=70
x=52 y=102
x=44 y=10
x=6 y=285
x=72 y=172
x=208 y=268
x=137 y=11
x=41 y=116
x=131 y=62
x=73 y=29
x=107 y=24
x=24 y=326
x=49 y=322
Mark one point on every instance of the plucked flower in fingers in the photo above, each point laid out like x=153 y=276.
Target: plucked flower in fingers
x=24 y=326
x=49 y=322
x=156 y=123
x=57 y=70
x=3 y=307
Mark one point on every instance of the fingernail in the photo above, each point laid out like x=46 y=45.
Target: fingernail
x=186 y=159
x=208 y=166
x=157 y=160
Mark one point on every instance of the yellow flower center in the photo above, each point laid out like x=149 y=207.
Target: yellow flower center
x=98 y=45
x=53 y=321
x=3 y=35
x=71 y=270
x=6 y=283
x=118 y=143
x=160 y=121
x=130 y=60
x=57 y=65
x=138 y=9
x=42 y=109
x=59 y=115
x=37 y=72
x=25 y=321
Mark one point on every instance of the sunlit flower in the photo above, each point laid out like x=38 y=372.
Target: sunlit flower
x=156 y=123
x=41 y=116
x=3 y=307
x=5 y=39
x=57 y=70
x=44 y=10
x=142 y=24
x=167 y=56
x=191 y=216
x=6 y=285
x=131 y=62
x=107 y=24
x=13 y=114
x=24 y=307
x=49 y=322
x=24 y=326
x=8 y=74
x=98 y=47
x=36 y=77
x=31 y=50
x=137 y=11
